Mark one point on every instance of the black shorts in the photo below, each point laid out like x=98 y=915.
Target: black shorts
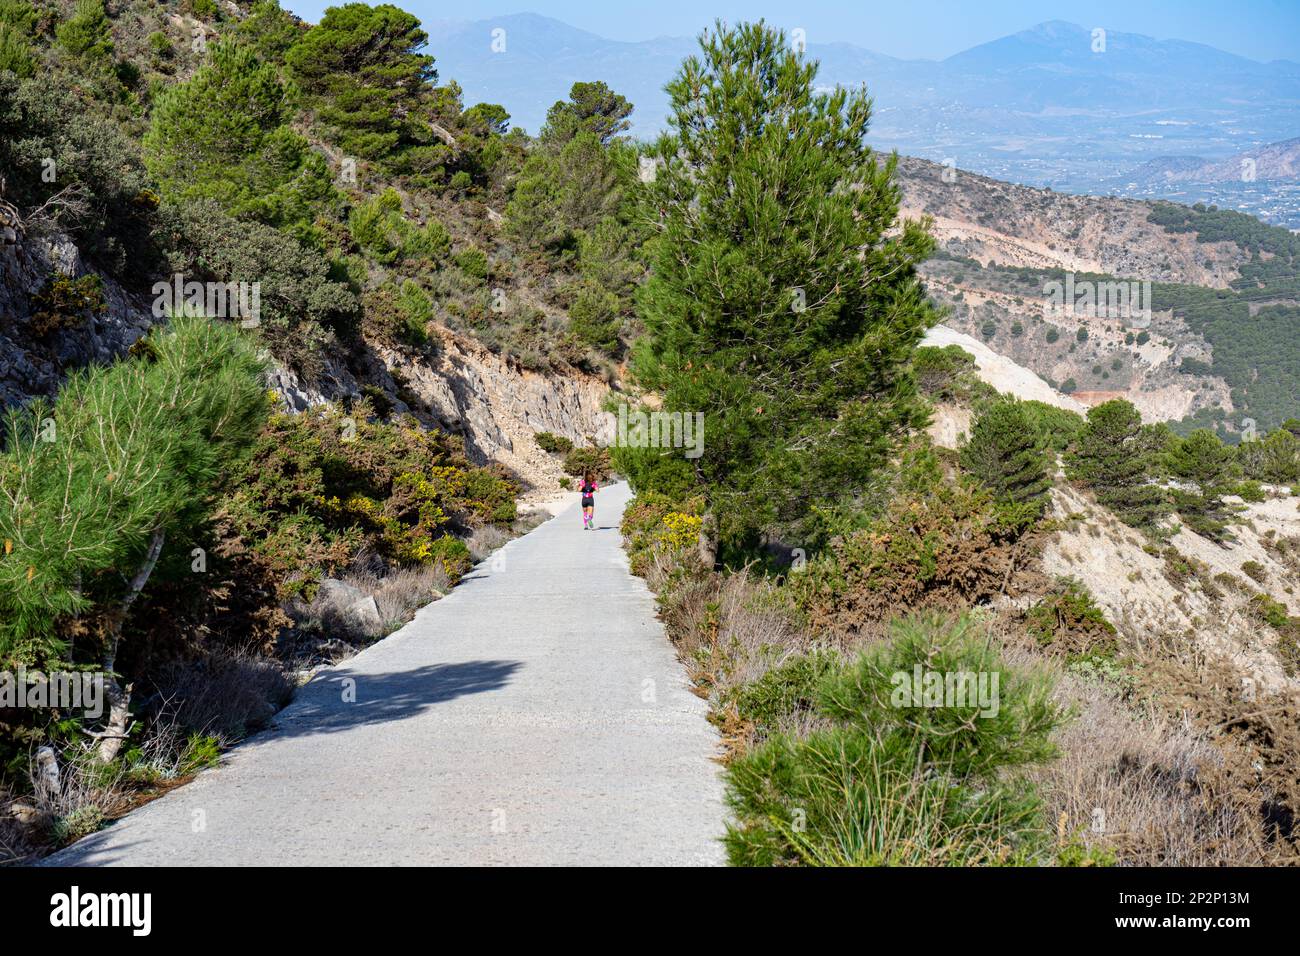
x=589 y=502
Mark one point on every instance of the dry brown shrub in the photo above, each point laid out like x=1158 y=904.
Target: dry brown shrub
x=225 y=693
x=945 y=550
x=1257 y=732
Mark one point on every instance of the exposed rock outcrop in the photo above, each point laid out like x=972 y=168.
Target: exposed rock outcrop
x=30 y=367
x=493 y=403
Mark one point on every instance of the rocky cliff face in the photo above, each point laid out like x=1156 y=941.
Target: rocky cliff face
x=499 y=407
x=494 y=404
x=32 y=366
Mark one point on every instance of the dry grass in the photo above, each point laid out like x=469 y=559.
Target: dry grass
x=404 y=591
x=729 y=630
x=485 y=539
x=398 y=595
x=1143 y=786
x=16 y=845
x=71 y=793
x=1255 y=730
x=227 y=694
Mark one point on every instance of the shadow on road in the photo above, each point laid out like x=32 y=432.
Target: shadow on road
x=342 y=699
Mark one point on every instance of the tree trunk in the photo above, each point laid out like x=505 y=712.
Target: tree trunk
x=708 y=541
x=119 y=698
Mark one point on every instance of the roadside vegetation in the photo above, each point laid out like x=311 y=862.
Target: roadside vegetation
x=805 y=583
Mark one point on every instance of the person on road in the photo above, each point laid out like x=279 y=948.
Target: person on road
x=588 y=489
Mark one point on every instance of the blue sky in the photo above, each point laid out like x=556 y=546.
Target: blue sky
x=1260 y=29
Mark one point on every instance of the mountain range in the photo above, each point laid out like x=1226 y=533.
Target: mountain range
x=1055 y=105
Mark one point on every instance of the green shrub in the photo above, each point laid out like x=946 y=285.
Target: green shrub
x=473 y=261
x=555 y=444
x=784 y=691
x=649 y=469
x=1275 y=615
x=1275 y=459
x=115 y=223
x=302 y=306
x=894 y=781
x=66 y=303
x=1254 y=570
x=85 y=35
x=654 y=521
x=594 y=319
x=1250 y=491
x=161 y=44
x=578 y=461
x=397 y=316
x=18 y=20
x=380 y=228
x=1069 y=622
x=321 y=486
x=938 y=543
x=81 y=822
x=201 y=751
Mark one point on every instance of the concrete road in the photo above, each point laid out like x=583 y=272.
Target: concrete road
x=537 y=715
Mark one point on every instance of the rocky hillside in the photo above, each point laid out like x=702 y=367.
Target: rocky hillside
x=443 y=311
x=1166 y=300
x=1003 y=224
x=1212 y=594
x=493 y=402
x=1274 y=161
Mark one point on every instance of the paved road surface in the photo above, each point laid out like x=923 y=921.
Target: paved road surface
x=536 y=715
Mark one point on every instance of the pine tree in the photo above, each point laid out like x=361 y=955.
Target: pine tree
x=591 y=108
x=579 y=176
x=224 y=135
x=363 y=71
x=1203 y=468
x=15 y=51
x=86 y=35
x=780 y=305
x=17 y=27
x=1006 y=453
x=91 y=487
x=1115 y=456
x=1274 y=459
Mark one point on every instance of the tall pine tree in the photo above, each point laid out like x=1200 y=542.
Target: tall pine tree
x=1006 y=452
x=1203 y=469
x=1115 y=456
x=781 y=304
x=363 y=72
